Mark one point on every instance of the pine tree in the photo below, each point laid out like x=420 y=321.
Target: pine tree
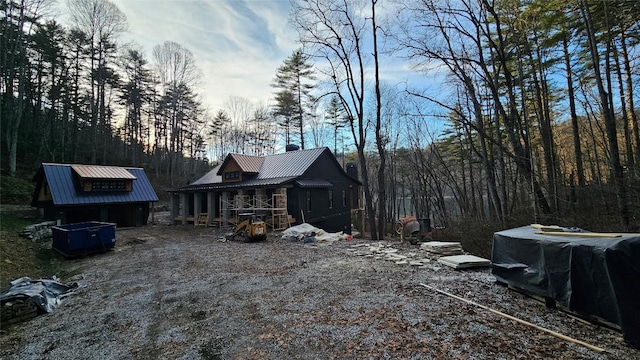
x=293 y=99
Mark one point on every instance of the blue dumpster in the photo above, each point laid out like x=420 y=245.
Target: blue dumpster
x=84 y=238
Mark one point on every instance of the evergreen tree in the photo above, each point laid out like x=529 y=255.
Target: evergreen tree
x=335 y=116
x=293 y=99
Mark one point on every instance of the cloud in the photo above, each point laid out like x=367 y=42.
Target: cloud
x=237 y=44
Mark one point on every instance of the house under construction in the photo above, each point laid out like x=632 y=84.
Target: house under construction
x=285 y=189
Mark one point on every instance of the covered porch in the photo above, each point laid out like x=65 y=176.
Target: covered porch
x=221 y=207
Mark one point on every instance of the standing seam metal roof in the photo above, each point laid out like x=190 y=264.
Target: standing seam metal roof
x=248 y=163
x=288 y=164
x=233 y=185
x=102 y=172
x=275 y=170
x=63 y=189
x=211 y=177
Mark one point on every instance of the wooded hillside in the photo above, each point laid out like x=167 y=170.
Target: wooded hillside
x=535 y=104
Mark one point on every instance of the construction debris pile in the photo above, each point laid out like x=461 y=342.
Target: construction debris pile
x=38 y=232
x=446 y=253
x=309 y=233
x=383 y=251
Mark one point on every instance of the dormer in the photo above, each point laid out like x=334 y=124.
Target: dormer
x=237 y=167
x=93 y=178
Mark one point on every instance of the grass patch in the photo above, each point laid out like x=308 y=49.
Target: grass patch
x=16 y=190
x=19 y=256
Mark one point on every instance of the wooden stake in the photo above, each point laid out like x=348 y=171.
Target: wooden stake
x=556 y=334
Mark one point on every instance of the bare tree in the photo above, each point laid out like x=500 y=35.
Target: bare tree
x=101 y=22
x=334 y=31
x=20 y=20
x=240 y=111
x=607 y=108
x=177 y=73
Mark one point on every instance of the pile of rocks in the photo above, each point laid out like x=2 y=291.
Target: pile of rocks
x=382 y=251
x=39 y=232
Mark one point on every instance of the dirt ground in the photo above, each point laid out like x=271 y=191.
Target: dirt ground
x=179 y=292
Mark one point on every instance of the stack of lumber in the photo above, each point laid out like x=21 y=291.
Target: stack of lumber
x=464 y=261
x=437 y=249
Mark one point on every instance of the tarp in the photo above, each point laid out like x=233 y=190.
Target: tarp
x=310 y=233
x=597 y=277
x=45 y=294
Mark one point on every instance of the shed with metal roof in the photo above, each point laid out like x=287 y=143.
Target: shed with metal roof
x=288 y=188
x=71 y=193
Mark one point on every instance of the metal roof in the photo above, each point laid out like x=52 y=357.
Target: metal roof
x=317 y=183
x=247 y=163
x=63 y=189
x=240 y=184
x=277 y=169
x=211 y=177
x=102 y=172
x=292 y=163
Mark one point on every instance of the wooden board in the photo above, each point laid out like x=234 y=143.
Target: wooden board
x=579 y=234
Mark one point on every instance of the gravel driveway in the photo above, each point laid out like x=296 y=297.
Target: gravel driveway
x=178 y=292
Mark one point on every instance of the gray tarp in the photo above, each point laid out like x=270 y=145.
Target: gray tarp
x=592 y=276
x=46 y=294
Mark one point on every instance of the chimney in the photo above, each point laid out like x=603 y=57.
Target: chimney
x=352 y=170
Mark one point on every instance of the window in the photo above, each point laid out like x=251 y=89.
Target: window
x=232 y=175
x=330 y=199
x=108 y=185
x=344 y=198
x=308 y=200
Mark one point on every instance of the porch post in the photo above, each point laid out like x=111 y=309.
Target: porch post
x=210 y=206
x=196 y=208
x=184 y=200
x=174 y=206
x=224 y=211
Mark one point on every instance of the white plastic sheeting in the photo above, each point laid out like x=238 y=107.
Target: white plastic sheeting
x=309 y=233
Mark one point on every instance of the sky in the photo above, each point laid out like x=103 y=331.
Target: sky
x=237 y=44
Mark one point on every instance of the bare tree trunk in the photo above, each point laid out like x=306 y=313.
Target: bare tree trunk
x=631 y=112
x=381 y=139
x=574 y=115
x=609 y=118
x=512 y=121
x=340 y=43
x=626 y=121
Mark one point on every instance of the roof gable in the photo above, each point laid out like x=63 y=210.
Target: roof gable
x=247 y=163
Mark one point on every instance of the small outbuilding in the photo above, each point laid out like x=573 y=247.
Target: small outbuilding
x=287 y=188
x=72 y=193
